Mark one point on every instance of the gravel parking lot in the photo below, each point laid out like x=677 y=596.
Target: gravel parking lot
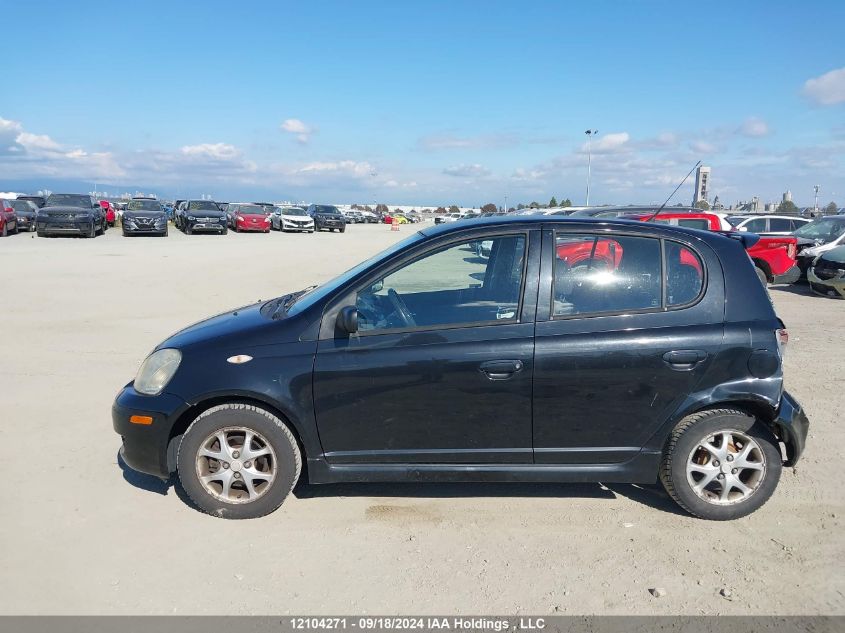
x=83 y=536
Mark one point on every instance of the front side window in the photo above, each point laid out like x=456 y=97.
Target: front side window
x=477 y=281
x=757 y=225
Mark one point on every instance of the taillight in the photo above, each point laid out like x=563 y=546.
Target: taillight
x=783 y=338
x=791 y=251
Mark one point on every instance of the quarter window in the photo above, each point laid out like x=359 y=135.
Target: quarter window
x=476 y=281
x=684 y=274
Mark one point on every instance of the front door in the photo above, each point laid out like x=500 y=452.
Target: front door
x=441 y=368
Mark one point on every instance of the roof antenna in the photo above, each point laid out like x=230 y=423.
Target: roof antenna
x=680 y=184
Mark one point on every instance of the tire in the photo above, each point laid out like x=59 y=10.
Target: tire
x=41 y=234
x=761 y=275
x=189 y=229
x=343 y=230
x=685 y=447
x=125 y=234
x=92 y=232
x=224 y=231
x=284 y=461
x=32 y=228
x=5 y=230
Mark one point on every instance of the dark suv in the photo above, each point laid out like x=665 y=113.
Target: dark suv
x=71 y=214
x=144 y=216
x=202 y=215
x=327 y=217
x=567 y=351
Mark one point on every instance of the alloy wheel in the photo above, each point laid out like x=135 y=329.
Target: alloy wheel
x=236 y=464
x=725 y=468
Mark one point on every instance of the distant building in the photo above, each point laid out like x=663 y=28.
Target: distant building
x=787 y=197
x=702 y=184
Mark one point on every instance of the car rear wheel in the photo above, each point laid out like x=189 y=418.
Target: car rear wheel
x=721 y=464
x=761 y=275
x=238 y=461
x=5 y=230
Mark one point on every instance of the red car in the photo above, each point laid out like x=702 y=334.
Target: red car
x=108 y=209
x=248 y=217
x=773 y=256
x=8 y=218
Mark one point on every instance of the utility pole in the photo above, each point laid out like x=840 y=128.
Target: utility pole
x=506 y=203
x=816 y=203
x=590 y=134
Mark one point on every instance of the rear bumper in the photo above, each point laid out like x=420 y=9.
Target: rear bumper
x=789 y=277
x=145 y=446
x=793 y=425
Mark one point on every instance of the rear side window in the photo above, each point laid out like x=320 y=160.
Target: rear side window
x=600 y=274
x=757 y=225
x=780 y=225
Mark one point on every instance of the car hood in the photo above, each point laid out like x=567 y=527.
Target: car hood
x=252 y=216
x=300 y=218
x=205 y=214
x=143 y=214
x=245 y=327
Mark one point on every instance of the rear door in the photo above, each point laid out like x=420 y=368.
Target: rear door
x=623 y=335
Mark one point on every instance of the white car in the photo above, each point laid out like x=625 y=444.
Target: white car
x=817 y=237
x=291 y=219
x=767 y=224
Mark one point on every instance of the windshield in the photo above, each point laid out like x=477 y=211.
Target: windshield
x=313 y=296
x=202 y=205
x=68 y=200
x=293 y=211
x=250 y=209
x=143 y=205
x=826 y=229
x=325 y=209
x=22 y=206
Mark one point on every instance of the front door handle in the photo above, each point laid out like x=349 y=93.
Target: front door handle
x=501 y=369
x=684 y=358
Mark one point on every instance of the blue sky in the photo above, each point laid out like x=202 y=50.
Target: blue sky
x=426 y=102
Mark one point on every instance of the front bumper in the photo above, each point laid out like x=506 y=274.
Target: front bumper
x=206 y=226
x=288 y=225
x=65 y=226
x=789 y=277
x=24 y=223
x=145 y=229
x=827 y=287
x=250 y=225
x=804 y=263
x=330 y=224
x=145 y=446
x=793 y=425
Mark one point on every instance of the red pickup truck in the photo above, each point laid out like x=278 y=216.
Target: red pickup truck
x=773 y=256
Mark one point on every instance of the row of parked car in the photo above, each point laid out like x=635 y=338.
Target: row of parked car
x=80 y=214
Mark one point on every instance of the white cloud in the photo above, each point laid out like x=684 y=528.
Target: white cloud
x=467 y=171
x=300 y=129
x=827 y=89
x=754 y=128
x=450 y=142
x=344 y=167
x=704 y=147
x=213 y=151
x=609 y=143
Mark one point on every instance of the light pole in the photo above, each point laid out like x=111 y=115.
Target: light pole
x=589 y=134
x=816 y=203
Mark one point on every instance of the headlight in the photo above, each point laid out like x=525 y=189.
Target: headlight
x=157 y=370
x=191 y=217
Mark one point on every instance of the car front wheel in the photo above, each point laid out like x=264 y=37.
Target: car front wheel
x=238 y=461
x=721 y=464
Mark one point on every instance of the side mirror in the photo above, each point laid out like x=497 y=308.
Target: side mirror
x=347 y=319
x=377 y=287
x=744 y=228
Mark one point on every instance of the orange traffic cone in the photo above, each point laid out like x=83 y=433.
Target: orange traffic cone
x=394 y=225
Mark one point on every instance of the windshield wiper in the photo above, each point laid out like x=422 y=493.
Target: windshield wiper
x=288 y=302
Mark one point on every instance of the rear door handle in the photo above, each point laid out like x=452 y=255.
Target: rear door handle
x=501 y=369
x=684 y=358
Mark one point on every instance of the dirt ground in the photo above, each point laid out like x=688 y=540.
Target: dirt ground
x=82 y=536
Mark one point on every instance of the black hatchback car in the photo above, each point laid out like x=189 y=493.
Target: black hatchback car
x=574 y=351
